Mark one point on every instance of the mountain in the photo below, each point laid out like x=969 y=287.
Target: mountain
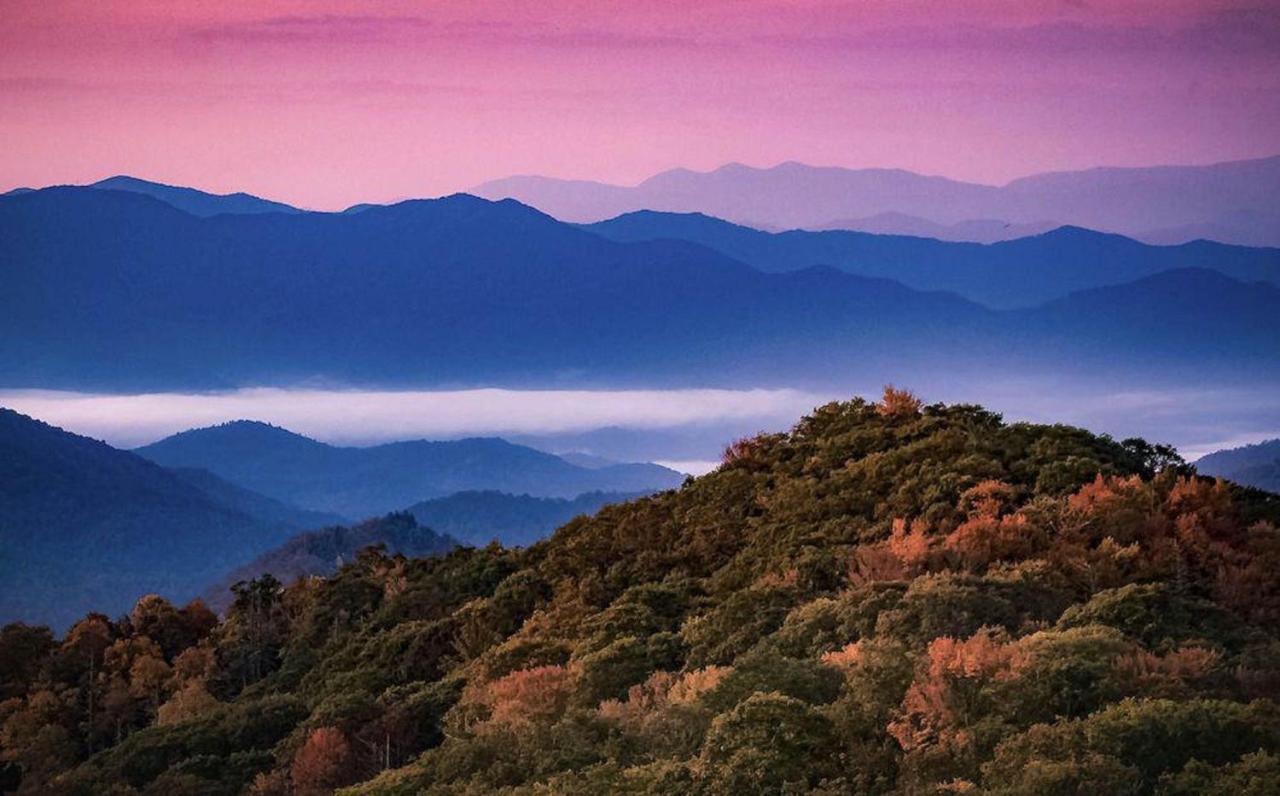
x=890 y=597
x=190 y=200
x=1237 y=200
x=1256 y=465
x=363 y=482
x=1013 y=273
x=464 y=291
x=447 y=291
x=1193 y=312
x=260 y=507
x=977 y=230
x=588 y=460
x=83 y=525
x=322 y=552
x=480 y=517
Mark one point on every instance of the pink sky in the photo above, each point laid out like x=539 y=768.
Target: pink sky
x=324 y=104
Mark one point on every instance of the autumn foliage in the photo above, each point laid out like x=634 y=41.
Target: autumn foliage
x=322 y=764
x=896 y=403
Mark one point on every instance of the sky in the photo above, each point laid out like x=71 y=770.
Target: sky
x=324 y=104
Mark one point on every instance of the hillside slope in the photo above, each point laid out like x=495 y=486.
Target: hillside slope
x=889 y=598
x=362 y=482
x=323 y=552
x=1256 y=465
x=83 y=525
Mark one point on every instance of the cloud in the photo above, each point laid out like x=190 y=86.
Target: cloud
x=373 y=416
x=331 y=29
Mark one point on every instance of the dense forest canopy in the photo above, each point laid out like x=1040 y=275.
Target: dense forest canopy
x=889 y=598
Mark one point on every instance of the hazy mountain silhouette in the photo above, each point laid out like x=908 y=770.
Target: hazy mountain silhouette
x=1238 y=201
x=480 y=517
x=462 y=290
x=975 y=230
x=361 y=482
x=588 y=460
x=1018 y=272
x=452 y=290
x=1256 y=465
x=1188 y=313
x=86 y=526
x=195 y=202
x=260 y=507
x=323 y=551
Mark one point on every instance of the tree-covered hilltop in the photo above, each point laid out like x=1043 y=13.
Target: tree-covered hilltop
x=890 y=598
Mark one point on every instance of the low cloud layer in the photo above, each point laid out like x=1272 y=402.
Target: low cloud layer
x=687 y=428
x=359 y=417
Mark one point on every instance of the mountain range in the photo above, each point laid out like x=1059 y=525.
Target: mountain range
x=112 y=290
x=1235 y=202
x=363 y=482
x=1256 y=465
x=193 y=201
x=84 y=525
x=1022 y=272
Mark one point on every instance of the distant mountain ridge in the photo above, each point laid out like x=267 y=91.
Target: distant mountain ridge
x=462 y=290
x=480 y=517
x=84 y=525
x=1256 y=465
x=1014 y=273
x=322 y=552
x=975 y=230
x=193 y=201
x=1236 y=201
x=362 y=482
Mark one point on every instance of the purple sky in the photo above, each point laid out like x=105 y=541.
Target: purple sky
x=324 y=104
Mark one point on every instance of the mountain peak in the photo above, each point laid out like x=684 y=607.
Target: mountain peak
x=237 y=433
x=192 y=200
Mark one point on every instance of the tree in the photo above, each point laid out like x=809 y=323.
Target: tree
x=768 y=743
x=538 y=694
x=255 y=630
x=24 y=650
x=192 y=701
x=323 y=763
x=898 y=404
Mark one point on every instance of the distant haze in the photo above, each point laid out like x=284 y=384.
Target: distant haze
x=324 y=103
x=685 y=429
x=1234 y=202
x=362 y=416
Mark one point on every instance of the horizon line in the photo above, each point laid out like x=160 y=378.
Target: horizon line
x=7 y=189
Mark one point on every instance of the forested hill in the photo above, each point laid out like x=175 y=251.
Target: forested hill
x=85 y=525
x=889 y=598
x=323 y=551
